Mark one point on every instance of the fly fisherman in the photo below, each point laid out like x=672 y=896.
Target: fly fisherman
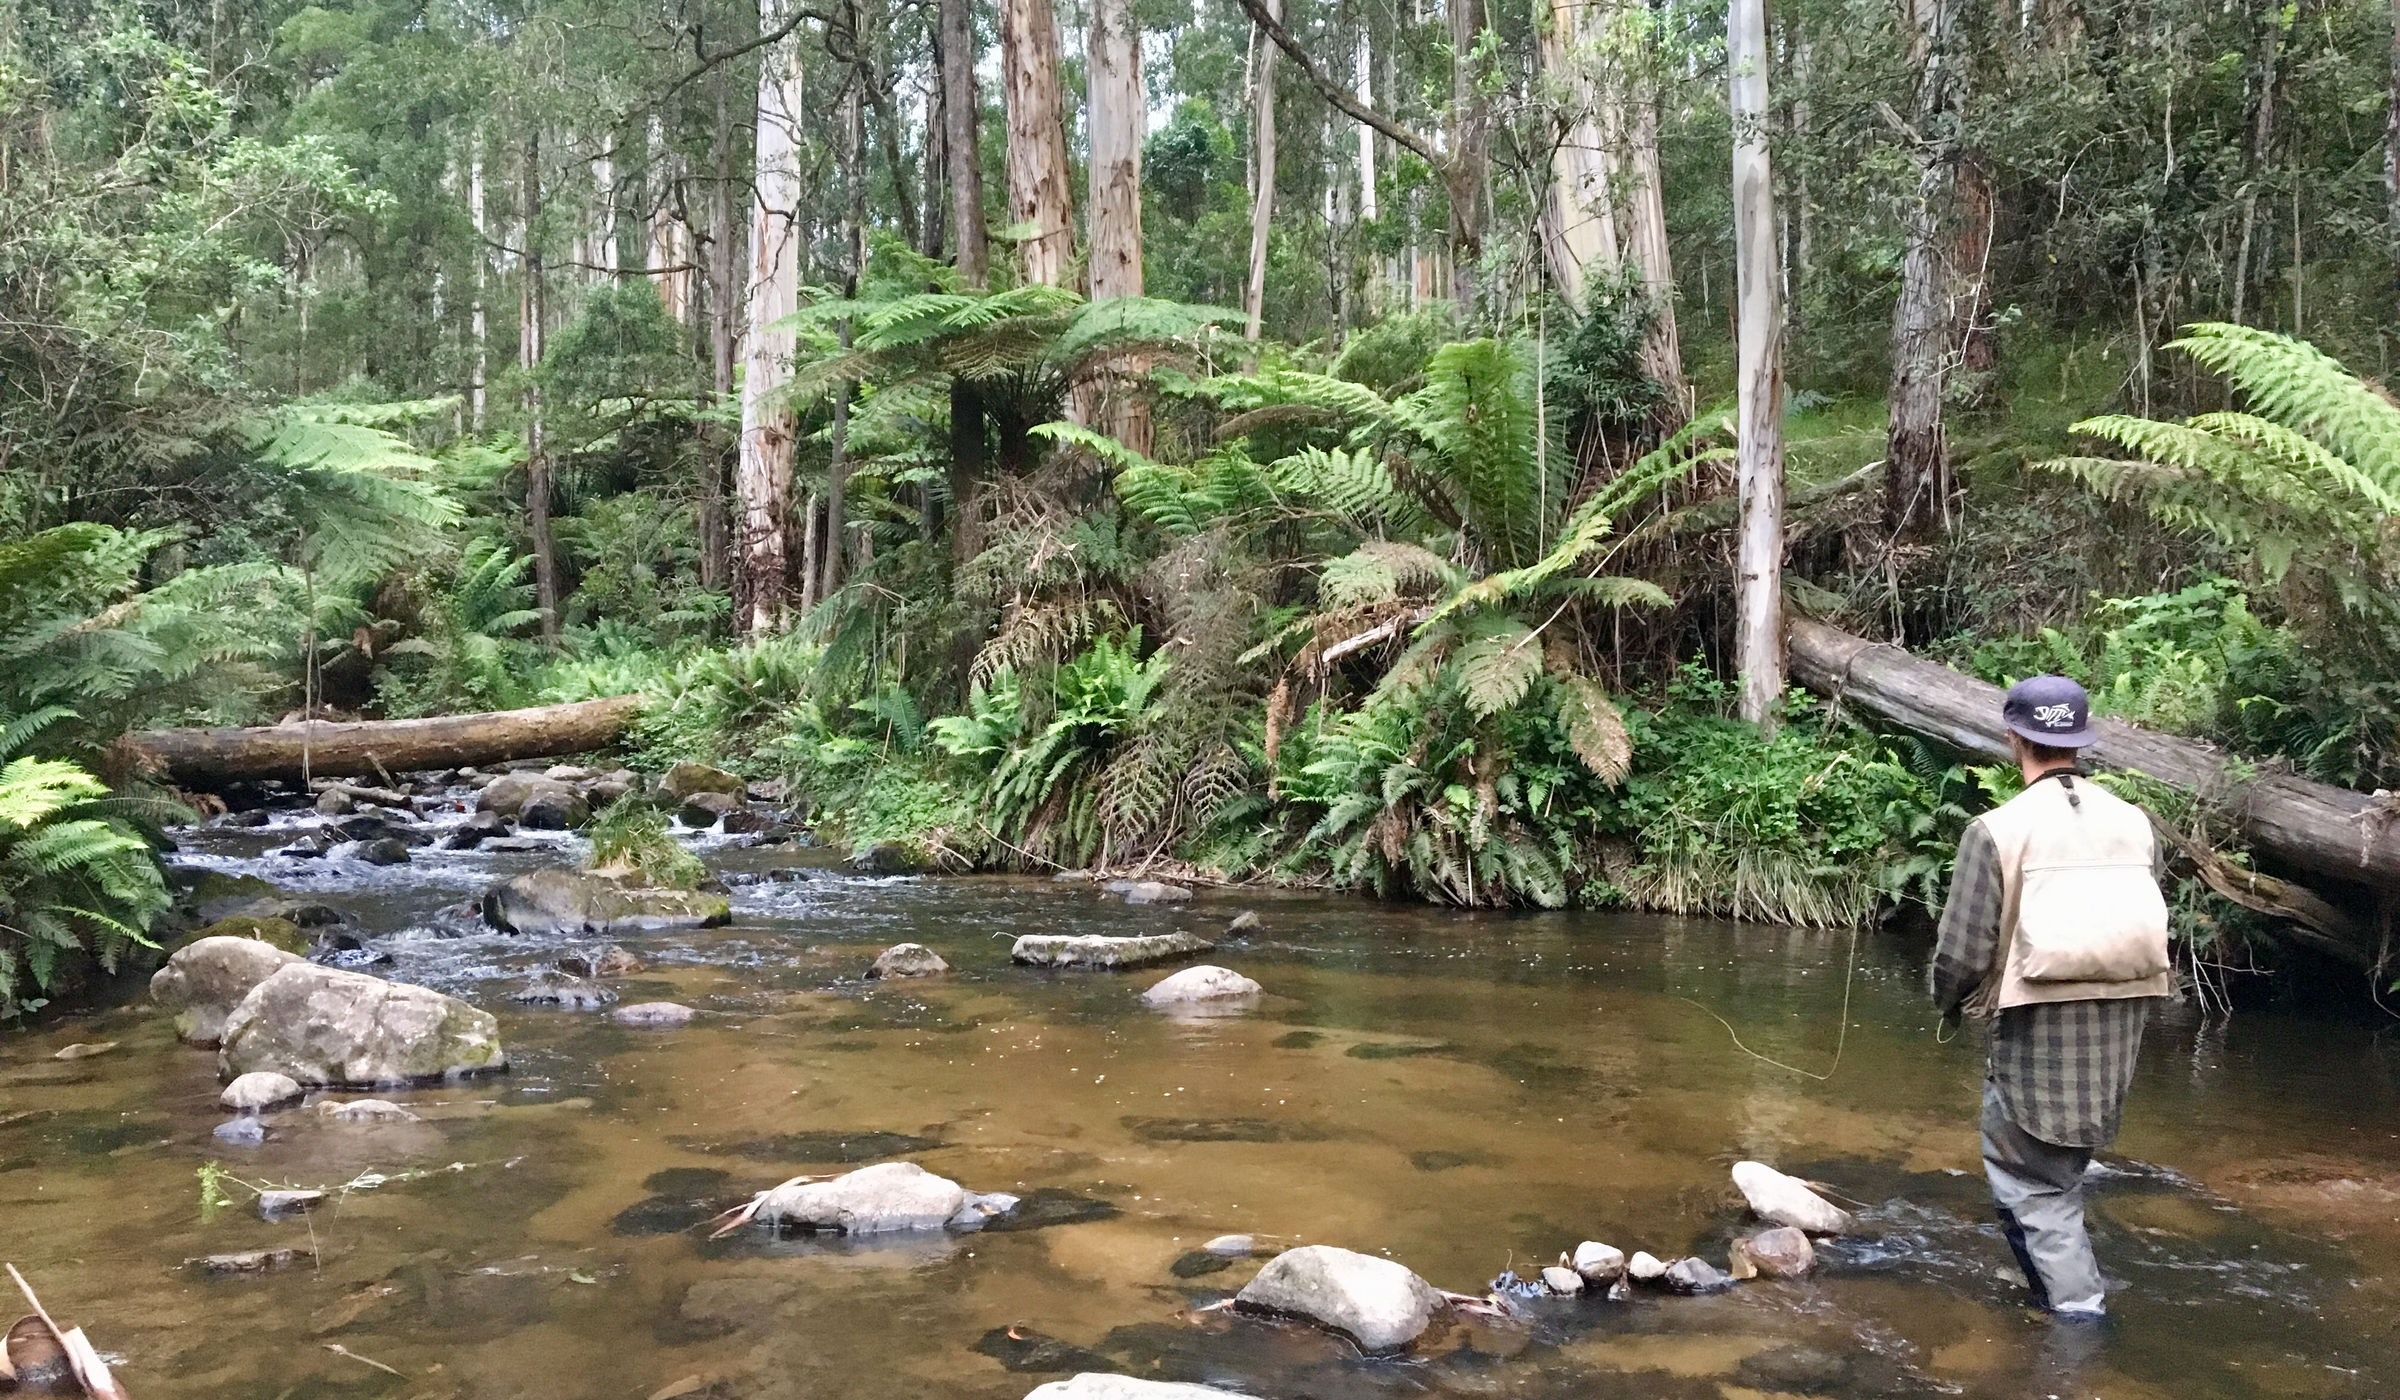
x=2055 y=932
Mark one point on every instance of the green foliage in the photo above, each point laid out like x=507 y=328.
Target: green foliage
x=77 y=881
x=474 y=651
x=2305 y=489
x=630 y=838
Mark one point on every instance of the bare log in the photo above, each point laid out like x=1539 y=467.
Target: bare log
x=205 y=758
x=2313 y=827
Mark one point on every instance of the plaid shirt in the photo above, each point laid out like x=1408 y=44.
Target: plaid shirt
x=2062 y=1067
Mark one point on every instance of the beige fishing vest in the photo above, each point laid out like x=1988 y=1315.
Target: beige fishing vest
x=2081 y=915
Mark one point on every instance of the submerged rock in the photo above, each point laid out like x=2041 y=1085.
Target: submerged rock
x=322 y=1025
x=1787 y=1200
x=550 y=902
x=1244 y=924
x=656 y=1015
x=554 y=808
x=611 y=961
x=509 y=794
x=245 y=1131
x=275 y=1205
x=365 y=1111
x=1205 y=983
x=1093 y=1385
x=1093 y=950
x=386 y=850
x=1599 y=1263
x=1783 y=1252
x=908 y=960
x=207 y=978
x=1377 y=1303
x=475 y=830
x=561 y=990
x=1156 y=892
x=254 y=1093
x=1232 y=1246
x=882 y=1199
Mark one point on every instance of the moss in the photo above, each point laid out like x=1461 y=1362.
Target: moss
x=278 y=933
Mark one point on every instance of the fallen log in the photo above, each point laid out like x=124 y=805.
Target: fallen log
x=205 y=758
x=2300 y=825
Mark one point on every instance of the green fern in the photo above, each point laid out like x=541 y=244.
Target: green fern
x=77 y=884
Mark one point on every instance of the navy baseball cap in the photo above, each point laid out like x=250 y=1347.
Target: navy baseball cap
x=2049 y=710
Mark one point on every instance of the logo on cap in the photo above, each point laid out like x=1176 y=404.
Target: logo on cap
x=2055 y=716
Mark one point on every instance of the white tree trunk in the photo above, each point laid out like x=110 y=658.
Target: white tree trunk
x=1758 y=640
x=478 y=316
x=604 y=190
x=1580 y=224
x=1037 y=139
x=1117 y=121
x=1366 y=133
x=763 y=476
x=1262 y=200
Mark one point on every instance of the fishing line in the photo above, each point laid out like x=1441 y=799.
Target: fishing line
x=1840 y=1041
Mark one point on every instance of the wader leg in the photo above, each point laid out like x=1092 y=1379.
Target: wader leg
x=2038 y=1188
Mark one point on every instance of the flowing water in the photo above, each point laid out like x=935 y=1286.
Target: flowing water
x=1467 y=1093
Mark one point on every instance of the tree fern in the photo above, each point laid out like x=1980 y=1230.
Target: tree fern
x=74 y=881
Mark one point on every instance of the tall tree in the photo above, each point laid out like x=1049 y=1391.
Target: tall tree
x=1758 y=376
x=533 y=310
x=1038 y=200
x=763 y=476
x=1116 y=119
x=1916 y=476
x=1262 y=198
x=962 y=155
x=479 y=331
x=2391 y=155
x=854 y=249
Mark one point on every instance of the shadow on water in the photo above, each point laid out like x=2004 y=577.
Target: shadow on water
x=1468 y=1093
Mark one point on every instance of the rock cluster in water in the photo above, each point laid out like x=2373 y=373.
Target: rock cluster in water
x=877 y=1200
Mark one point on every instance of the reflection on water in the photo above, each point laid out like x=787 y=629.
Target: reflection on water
x=1468 y=1093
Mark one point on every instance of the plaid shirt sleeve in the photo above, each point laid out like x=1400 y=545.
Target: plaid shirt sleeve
x=1970 y=934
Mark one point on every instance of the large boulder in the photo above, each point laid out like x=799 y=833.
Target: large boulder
x=1786 y=1200
x=274 y=930
x=207 y=978
x=1093 y=950
x=508 y=793
x=684 y=780
x=1092 y=1385
x=1377 y=1303
x=1782 y=1252
x=577 y=902
x=1206 y=983
x=881 y=1199
x=321 y=1025
x=556 y=808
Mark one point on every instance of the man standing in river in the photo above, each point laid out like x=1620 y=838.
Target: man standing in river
x=2055 y=932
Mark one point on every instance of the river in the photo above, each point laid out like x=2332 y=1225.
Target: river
x=1465 y=1092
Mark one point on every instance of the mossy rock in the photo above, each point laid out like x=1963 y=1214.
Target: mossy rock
x=278 y=933
x=215 y=894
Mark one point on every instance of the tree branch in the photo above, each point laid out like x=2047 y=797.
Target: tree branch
x=1334 y=92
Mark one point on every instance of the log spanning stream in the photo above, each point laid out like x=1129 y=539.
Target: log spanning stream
x=1467 y=1093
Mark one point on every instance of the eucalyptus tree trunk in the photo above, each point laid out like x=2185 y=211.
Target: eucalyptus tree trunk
x=1644 y=229
x=1758 y=383
x=962 y=155
x=854 y=252
x=1467 y=162
x=532 y=308
x=1038 y=198
x=1916 y=479
x=2391 y=151
x=1116 y=121
x=1366 y=134
x=763 y=475
x=478 y=316
x=724 y=330
x=1581 y=232
x=1262 y=198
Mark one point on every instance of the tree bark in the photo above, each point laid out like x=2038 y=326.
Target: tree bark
x=1366 y=134
x=725 y=294
x=533 y=309
x=1758 y=383
x=2391 y=154
x=478 y=318
x=1468 y=165
x=763 y=476
x=854 y=254
x=962 y=146
x=1917 y=486
x=1116 y=119
x=2326 y=831
x=1645 y=229
x=1262 y=196
x=1038 y=199
x=205 y=758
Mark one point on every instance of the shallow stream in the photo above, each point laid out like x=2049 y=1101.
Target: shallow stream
x=1467 y=1093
